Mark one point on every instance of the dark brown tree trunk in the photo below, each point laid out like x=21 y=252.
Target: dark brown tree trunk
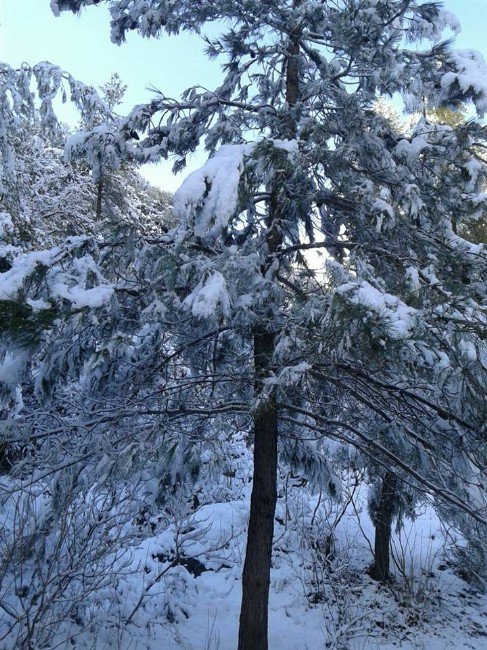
x=258 y=557
x=292 y=68
x=383 y=524
x=99 y=198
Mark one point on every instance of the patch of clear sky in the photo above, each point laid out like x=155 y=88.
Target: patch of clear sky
x=30 y=33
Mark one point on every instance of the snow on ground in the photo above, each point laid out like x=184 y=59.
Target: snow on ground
x=315 y=603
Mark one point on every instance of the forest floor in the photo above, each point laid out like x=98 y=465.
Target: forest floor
x=321 y=595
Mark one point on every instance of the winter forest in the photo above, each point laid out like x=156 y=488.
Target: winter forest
x=250 y=414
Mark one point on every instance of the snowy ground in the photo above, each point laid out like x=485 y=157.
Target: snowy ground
x=313 y=604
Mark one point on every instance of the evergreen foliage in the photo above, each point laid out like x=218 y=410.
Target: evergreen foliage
x=162 y=344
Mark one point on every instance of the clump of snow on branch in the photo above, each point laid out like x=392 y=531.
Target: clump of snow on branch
x=474 y=168
x=10 y=368
x=6 y=225
x=433 y=30
x=448 y=19
x=210 y=294
x=68 y=285
x=412 y=149
x=400 y=318
x=12 y=281
x=291 y=375
x=208 y=197
x=72 y=286
x=470 y=75
x=290 y=146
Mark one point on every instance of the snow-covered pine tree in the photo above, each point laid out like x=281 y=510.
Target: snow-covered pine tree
x=60 y=264
x=48 y=201
x=301 y=161
x=474 y=228
x=389 y=499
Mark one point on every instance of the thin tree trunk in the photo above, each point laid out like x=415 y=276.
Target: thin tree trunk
x=292 y=71
x=383 y=524
x=258 y=557
x=99 y=198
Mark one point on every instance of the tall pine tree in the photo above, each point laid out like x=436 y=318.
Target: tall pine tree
x=301 y=161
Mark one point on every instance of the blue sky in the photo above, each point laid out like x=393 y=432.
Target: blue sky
x=29 y=32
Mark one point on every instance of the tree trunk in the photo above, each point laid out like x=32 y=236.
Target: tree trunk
x=99 y=198
x=383 y=524
x=258 y=556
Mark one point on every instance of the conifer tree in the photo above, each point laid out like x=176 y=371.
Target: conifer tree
x=300 y=161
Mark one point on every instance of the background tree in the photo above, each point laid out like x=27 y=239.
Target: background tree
x=63 y=538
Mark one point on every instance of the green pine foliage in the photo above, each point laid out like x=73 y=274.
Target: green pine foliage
x=317 y=221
